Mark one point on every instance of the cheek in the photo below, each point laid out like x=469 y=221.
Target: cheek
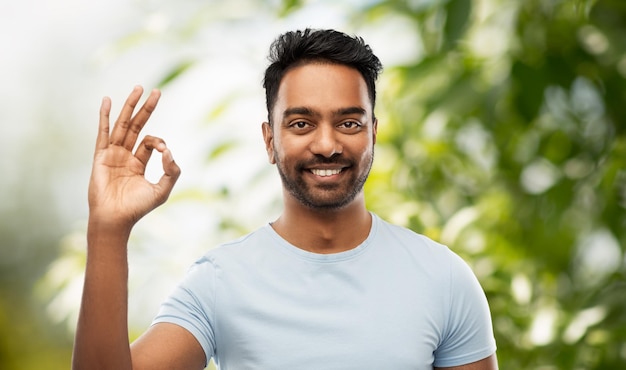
x=364 y=149
x=366 y=157
x=288 y=149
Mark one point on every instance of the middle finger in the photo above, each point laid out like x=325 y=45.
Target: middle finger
x=124 y=120
x=139 y=120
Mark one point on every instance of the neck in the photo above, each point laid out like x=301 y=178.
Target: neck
x=324 y=231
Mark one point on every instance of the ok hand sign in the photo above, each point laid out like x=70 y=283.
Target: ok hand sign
x=119 y=194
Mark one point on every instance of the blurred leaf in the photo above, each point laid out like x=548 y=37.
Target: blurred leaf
x=458 y=14
x=530 y=85
x=174 y=73
x=222 y=148
x=221 y=107
x=289 y=6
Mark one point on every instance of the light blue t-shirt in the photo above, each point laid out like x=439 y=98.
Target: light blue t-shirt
x=397 y=301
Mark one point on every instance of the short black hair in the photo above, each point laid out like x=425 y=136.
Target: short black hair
x=296 y=48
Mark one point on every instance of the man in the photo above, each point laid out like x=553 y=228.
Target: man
x=328 y=285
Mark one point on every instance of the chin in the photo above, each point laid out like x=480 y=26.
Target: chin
x=328 y=204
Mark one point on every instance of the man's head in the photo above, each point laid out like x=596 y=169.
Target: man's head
x=321 y=130
x=294 y=49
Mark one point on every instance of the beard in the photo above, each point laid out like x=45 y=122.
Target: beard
x=324 y=196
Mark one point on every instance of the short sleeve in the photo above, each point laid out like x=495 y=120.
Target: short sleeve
x=192 y=305
x=468 y=332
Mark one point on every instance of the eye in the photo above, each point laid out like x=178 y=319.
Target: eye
x=350 y=125
x=299 y=124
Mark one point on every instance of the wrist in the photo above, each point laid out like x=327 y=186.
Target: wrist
x=108 y=230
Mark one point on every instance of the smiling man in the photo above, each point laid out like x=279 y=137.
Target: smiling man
x=327 y=285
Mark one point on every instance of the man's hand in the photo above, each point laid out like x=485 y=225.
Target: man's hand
x=119 y=194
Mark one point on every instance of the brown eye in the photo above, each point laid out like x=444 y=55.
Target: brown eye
x=300 y=124
x=352 y=125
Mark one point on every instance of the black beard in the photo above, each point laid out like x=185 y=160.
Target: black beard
x=299 y=189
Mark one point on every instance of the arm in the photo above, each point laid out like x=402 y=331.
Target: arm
x=489 y=363
x=119 y=195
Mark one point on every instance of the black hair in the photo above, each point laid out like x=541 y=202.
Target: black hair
x=296 y=48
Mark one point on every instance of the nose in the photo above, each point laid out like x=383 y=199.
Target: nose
x=326 y=142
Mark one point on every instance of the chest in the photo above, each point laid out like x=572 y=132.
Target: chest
x=329 y=316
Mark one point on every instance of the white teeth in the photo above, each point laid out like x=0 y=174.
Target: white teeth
x=324 y=173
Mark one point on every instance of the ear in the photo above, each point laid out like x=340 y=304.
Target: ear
x=268 y=138
x=374 y=130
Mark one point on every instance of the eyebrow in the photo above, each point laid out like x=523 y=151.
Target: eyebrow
x=349 y=111
x=306 y=111
x=302 y=111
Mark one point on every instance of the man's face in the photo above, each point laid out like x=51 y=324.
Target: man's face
x=323 y=134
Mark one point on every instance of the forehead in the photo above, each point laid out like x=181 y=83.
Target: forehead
x=323 y=87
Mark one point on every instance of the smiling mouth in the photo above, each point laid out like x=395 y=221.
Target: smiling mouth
x=326 y=172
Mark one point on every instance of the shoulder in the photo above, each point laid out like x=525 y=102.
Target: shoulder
x=246 y=248
x=403 y=234
x=240 y=244
x=413 y=242
x=436 y=260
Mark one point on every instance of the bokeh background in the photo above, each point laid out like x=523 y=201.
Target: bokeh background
x=501 y=135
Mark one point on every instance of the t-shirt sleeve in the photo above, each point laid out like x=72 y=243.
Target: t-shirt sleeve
x=192 y=305
x=468 y=332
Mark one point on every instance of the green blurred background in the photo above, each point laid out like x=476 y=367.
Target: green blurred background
x=501 y=135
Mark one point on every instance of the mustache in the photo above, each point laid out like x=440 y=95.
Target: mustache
x=336 y=159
